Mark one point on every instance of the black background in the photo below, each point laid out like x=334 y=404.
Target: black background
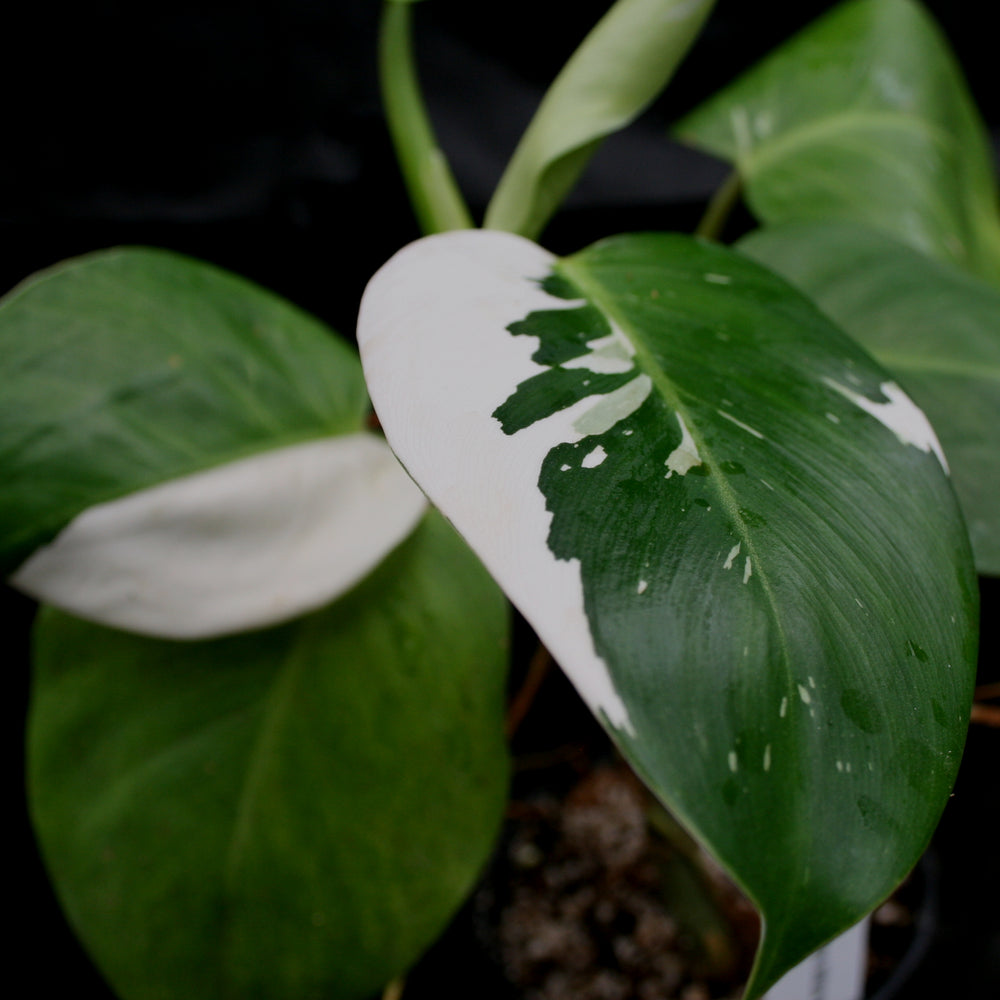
x=250 y=135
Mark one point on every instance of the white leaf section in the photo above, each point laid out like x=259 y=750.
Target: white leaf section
x=237 y=547
x=900 y=414
x=439 y=361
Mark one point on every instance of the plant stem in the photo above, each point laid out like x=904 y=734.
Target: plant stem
x=394 y=991
x=537 y=669
x=434 y=195
x=722 y=203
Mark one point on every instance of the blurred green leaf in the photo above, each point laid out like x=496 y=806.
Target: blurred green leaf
x=864 y=116
x=936 y=328
x=126 y=368
x=291 y=813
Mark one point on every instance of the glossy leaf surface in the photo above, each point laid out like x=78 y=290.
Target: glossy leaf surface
x=620 y=67
x=293 y=813
x=934 y=327
x=127 y=368
x=728 y=524
x=865 y=117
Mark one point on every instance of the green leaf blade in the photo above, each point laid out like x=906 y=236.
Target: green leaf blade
x=778 y=634
x=864 y=116
x=283 y=813
x=933 y=326
x=127 y=368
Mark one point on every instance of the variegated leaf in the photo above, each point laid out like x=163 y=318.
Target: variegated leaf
x=731 y=527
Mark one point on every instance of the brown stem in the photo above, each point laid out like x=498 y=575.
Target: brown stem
x=722 y=203
x=521 y=702
x=985 y=715
x=394 y=990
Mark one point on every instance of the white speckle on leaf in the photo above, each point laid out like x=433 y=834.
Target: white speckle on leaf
x=767 y=757
x=565 y=468
x=614 y=407
x=739 y=423
x=892 y=88
x=685 y=456
x=682 y=11
x=899 y=414
x=747 y=570
x=611 y=355
x=783 y=710
x=641 y=589
x=763 y=122
x=812 y=683
x=741 y=130
x=594 y=458
x=840 y=766
x=734 y=762
x=804 y=694
x=833 y=418
x=733 y=553
x=718 y=279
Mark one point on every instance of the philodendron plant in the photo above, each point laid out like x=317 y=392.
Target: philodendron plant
x=266 y=752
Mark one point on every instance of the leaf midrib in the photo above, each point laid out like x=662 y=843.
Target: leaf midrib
x=933 y=365
x=277 y=705
x=594 y=292
x=762 y=153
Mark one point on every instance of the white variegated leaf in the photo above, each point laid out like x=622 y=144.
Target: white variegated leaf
x=730 y=526
x=243 y=545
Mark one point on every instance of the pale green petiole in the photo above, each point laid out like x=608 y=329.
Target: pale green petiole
x=434 y=195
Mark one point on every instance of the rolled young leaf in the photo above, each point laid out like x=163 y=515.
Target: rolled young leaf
x=620 y=67
x=864 y=116
x=294 y=813
x=730 y=526
x=127 y=368
x=934 y=327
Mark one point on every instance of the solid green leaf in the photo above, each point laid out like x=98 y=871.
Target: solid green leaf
x=293 y=813
x=730 y=526
x=934 y=327
x=620 y=67
x=864 y=116
x=130 y=367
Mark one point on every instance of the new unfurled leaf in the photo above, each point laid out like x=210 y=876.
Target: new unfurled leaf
x=622 y=65
x=731 y=527
x=865 y=117
x=934 y=327
x=292 y=813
